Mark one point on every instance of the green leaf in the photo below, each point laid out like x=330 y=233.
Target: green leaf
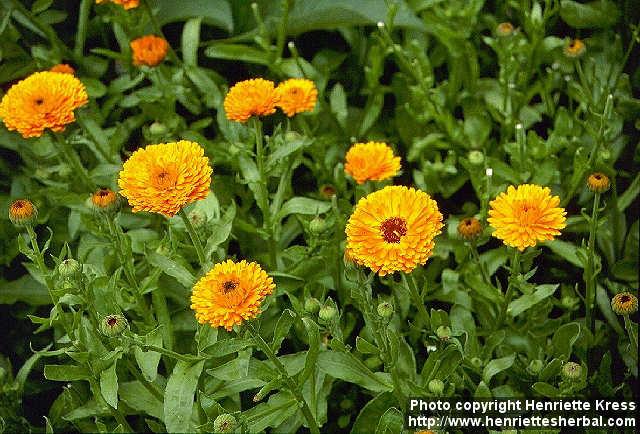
x=370 y=415
x=238 y=53
x=172 y=268
x=190 y=41
x=598 y=14
x=272 y=413
x=138 y=397
x=109 y=385
x=302 y=205
x=564 y=338
x=546 y=389
x=496 y=366
x=629 y=195
x=228 y=346
x=565 y=250
x=214 y=12
x=25 y=289
x=282 y=328
x=366 y=347
x=391 y=422
x=311 y=358
x=347 y=367
x=338 y=102
x=65 y=373
x=148 y=360
x=527 y=301
x=179 y=396
x=551 y=370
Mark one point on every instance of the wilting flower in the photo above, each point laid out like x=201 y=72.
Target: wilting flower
x=149 y=50
x=624 y=303
x=63 y=68
x=127 y=4
x=393 y=229
x=575 y=48
x=469 y=228
x=297 y=95
x=504 y=29
x=371 y=161
x=255 y=97
x=230 y=293
x=43 y=100
x=22 y=212
x=598 y=182
x=104 y=200
x=526 y=215
x=164 y=178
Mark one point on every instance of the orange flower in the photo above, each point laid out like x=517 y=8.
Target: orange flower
x=624 y=303
x=127 y=4
x=63 y=68
x=256 y=97
x=149 y=50
x=371 y=161
x=42 y=100
x=575 y=48
x=598 y=182
x=393 y=229
x=104 y=200
x=525 y=215
x=504 y=29
x=22 y=212
x=164 y=178
x=469 y=228
x=297 y=95
x=230 y=293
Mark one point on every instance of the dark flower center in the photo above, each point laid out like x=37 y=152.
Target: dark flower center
x=229 y=286
x=111 y=321
x=393 y=229
x=103 y=192
x=39 y=101
x=625 y=299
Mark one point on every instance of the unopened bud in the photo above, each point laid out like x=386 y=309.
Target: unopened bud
x=113 y=325
x=443 y=333
x=69 y=269
x=469 y=228
x=624 y=303
x=475 y=157
x=504 y=29
x=105 y=200
x=598 y=182
x=158 y=129
x=385 y=310
x=197 y=218
x=436 y=387
x=327 y=313
x=571 y=371
x=312 y=305
x=225 y=423
x=535 y=366
x=477 y=362
x=575 y=48
x=317 y=226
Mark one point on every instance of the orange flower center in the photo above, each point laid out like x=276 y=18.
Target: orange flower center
x=393 y=229
x=164 y=177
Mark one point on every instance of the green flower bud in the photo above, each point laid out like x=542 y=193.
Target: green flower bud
x=436 y=387
x=571 y=371
x=535 y=366
x=158 y=129
x=113 y=325
x=317 y=226
x=385 y=310
x=569 y=302
x=69 y=269
x=475 y=157
x=197 y=218
x=443 y=333
x=225 y=423
x=477 y=362
x=312 y=305
x=328 y=313
x=291 y=136
x=373 y=362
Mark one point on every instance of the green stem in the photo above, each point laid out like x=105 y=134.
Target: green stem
x=151 y=387
x=589 y=272
x=81 y=34
x=476 y=257
x=49 y=31
x=71 y=157
x=515 y=271
x=195 y=239
x=164 y=318
x=294 y=388
x=158 y=30
x=633 y=337
x=410 y=284
x=117 y=415
x=282 y=29
x=165 y=351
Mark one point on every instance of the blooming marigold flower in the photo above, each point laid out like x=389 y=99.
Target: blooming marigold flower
x=22 y=212
x=598 y=182
x=127 y=4
x=63 y=68
x=504 y=29
x=230 y=293
x=393 y=229
x=297 y=95
x=575 y=48
x=43 y=100
x=164 y=178
x=624 y=303
x=371 y=161
x=149 y=50
x=255 y=97
x=525 y=215
x=104 y=200
x=469 y=228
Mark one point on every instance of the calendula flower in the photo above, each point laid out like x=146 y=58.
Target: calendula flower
x=371 y=161
x=469 y=228
x=575 y=48
x=149 y=50
x=297 y=95
x=230 y=293
x=571 y=371
x=598 y=182
x=624 y=303
x=127 y=4
x=113 y=325
x=164 y=178
x=526 y=215
x=393 y=229
x=43 y=100
x=104 y=200
x=504 y=29
x=255 y=97
x=63 y=68
x=22 y=212
x=327 y=191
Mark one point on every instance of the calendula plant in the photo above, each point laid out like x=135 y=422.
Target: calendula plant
x=294 y=216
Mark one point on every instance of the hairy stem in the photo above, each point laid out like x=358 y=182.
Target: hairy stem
x=195 y=239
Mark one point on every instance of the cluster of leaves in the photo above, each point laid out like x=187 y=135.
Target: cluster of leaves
x=434 y=80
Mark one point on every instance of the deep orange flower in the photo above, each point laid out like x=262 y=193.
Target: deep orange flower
x=149 y=50
x=575 y=48
x=297 y=95
x=230 y=293
x=255 y=97
x=43 y=100
x=598 y=182
x=393 y=229
x=22 y=212
x=526 y=215
x=127 y=4
x=371 y=161
x=469 y=228
x=63 y=68
x=104 y=200
x=164 y=178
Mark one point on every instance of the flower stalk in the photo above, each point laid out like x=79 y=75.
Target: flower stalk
x=590 y=273
x=195 y=239
x=513 y=275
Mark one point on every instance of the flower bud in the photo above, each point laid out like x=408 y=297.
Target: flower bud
x=317 y=226
x=469 y=228
x=69 y=269
x=158 y=129
x=443 y=333
x=113 y=325
x=475 y=157
x=569 y=302
x=197 y=218
x=624 y=303
x=312 y=305
x=225 y=423
x=575 y=48
x=571 y=371
x=327 y=313
x=105 y=200
x=598 y=182
x=477 y=362
x=22 y=212
x=436 y=387
x=535 y=366
x=504 y=29
x=385 y=310
x=327 y=191
x=373 y=362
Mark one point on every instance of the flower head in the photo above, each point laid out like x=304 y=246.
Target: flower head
x=230 y=293
x=327 y=191
x=22 y=212
x=63 y=68
x=297 y=95
x=371 y=161
x=255 y=97
x=504 y=29
x=43 y=100
x=526 y=215
x=393 y=229
x=598 y=182
x=575 y=48
x=149 y=50
x=104 y=200
x=127 y=4
x=469 y=228
x=624 y=303
x=164 y=178
x=571 y=371
x=113 y=325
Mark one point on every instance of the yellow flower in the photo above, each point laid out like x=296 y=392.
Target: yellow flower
x=297 y=95
x=149 y=50
x=575 y=48
x=598 y=182
x=624 y=303
x=469 y=228
x=525 y=215
x=22 y=212
x=43 y=100
x=127 y=4
x=255 y=97
x=63 y=68
x=393 y=229
x=164 y=178
x=230 y=293
x=371 y=161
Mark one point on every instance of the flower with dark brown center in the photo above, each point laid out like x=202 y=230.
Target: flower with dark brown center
x=113 y=325
x=469 y=228
x=575 y=48
x=22 y=212
x=104 y=200
x=624 y=303
x=598 y=182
